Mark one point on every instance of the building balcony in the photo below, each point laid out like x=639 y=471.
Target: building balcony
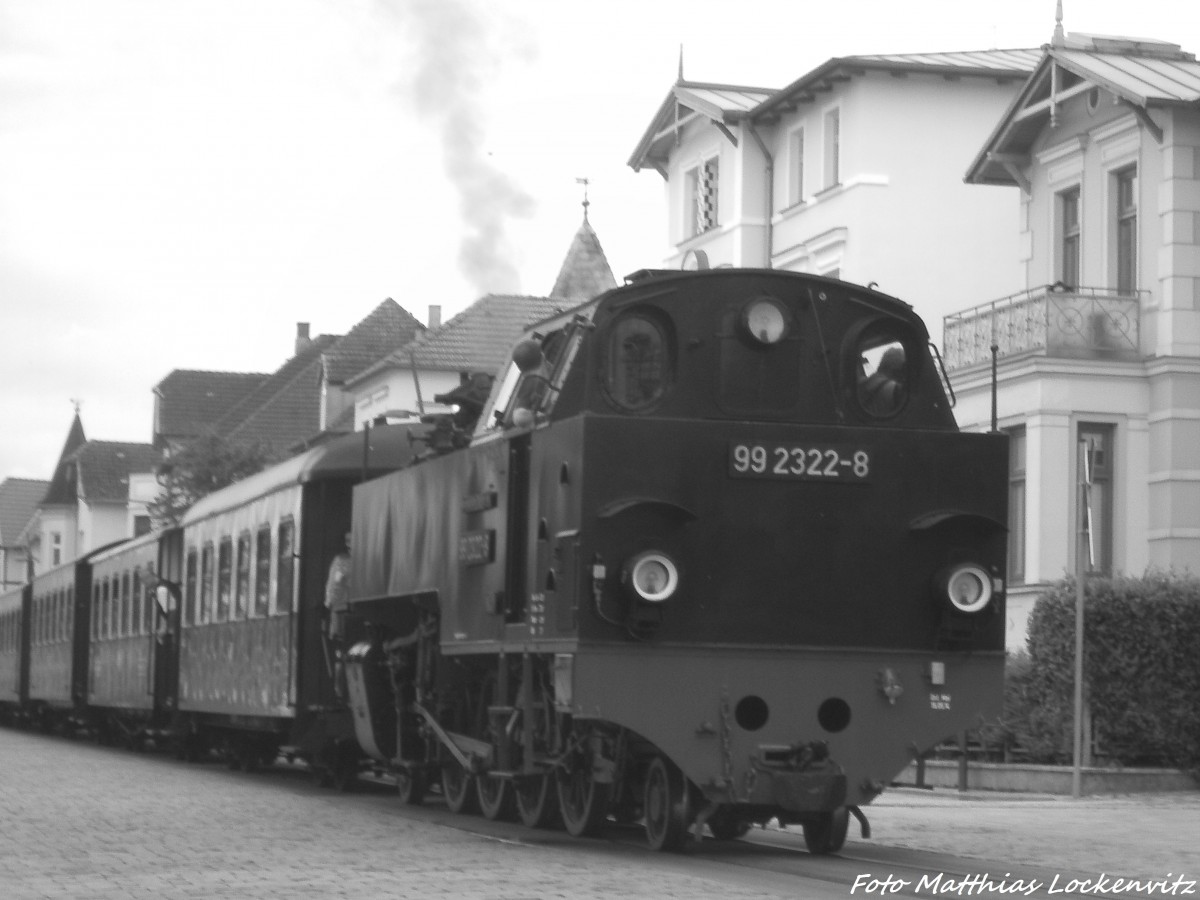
x=1073 y=323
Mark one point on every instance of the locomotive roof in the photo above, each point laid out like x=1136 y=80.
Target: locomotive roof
x=388 y=448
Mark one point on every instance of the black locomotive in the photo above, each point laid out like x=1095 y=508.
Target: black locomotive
x=713 y=552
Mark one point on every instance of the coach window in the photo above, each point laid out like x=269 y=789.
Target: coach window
x=262 y=571
x=286 y=566
x=637 y=371
x=241 y=592
x=96 y=609
x=224 y=578
x=189 y=589
x=105 y=608
x=206 y=584
x=128 y=600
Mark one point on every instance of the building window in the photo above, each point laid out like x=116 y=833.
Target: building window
x=1127 y=230
x=833 y=149
x=55 y=548
x=141 y=525
x=702 y=196
x=1068 y=215
x=1099 y=441
x=796 y=169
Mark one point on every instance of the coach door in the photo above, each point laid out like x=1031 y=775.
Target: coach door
x=164 y=664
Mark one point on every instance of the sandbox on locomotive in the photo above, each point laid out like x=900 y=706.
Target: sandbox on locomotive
x=715 y=553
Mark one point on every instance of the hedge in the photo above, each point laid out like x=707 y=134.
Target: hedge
x=1141 y=672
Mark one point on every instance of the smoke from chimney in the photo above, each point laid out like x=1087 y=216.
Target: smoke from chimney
x=454 y=58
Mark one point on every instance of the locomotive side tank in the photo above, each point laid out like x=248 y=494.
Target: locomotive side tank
x=717 y=553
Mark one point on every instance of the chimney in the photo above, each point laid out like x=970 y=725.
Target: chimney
x=302 y=340
x=435 y=315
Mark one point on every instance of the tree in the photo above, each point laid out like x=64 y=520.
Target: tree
x=206 y=464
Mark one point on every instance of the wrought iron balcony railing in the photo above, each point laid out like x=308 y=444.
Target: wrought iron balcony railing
x=1081 y=323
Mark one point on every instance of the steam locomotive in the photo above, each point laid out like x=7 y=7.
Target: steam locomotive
x=713 y=551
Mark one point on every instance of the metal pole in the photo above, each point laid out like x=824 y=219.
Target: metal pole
x=1081 y=564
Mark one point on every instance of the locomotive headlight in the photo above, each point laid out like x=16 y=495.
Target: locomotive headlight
x=652 y=576
x=968 y=588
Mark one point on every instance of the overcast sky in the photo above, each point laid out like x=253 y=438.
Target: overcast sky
x=181 y=181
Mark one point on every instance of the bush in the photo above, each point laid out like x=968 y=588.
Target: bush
x=1141 y=671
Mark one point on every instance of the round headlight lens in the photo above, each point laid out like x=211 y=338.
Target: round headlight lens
x=765 y=321
x=969 y=588
x=653 y=576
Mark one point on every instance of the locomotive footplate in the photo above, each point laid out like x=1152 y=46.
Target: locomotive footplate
x=797 y=778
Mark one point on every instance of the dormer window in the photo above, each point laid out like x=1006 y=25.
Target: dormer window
x=701 y=188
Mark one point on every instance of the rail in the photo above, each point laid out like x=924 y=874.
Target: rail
x=1055 y=320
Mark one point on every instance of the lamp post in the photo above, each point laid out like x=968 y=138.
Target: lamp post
x=1083 y=559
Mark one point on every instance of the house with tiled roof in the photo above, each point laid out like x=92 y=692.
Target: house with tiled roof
x=1097 y=355
x=19 y=499
x=844 y=173
x=188 y=401
x=303 y=398
x=479 y=339
x=88 y=502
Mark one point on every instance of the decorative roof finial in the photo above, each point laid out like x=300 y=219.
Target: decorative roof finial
x=585 y=182
x=680 y=78
x=77 y=403
x=1059 y=39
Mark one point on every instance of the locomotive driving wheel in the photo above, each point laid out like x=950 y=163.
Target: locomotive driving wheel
x=537 y=801
x=582 y=800
x=495 y=797
x=826 y=832
x=458 y=788
x=668 y=807
x=411 y=786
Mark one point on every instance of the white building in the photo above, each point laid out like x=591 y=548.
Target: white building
x=1102 y=149
x=847 y=172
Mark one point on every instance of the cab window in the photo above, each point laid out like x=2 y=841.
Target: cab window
x=637 y=362
x=883 y=373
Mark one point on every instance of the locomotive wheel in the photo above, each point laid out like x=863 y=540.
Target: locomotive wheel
x=495 y=797
x=537 y=801
x=582 y=801
x=667 y=807
x=345 y=768
x=725 y=827
x=826 y=832
x=458 y=789
x=411 y=786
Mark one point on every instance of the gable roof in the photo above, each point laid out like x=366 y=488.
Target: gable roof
x=190 y=400
x=685 y=102
x=387 y=327
x=62 y=483
x=478 y=339
x=1141 y=73
x=585 y=271
x=104 y=468
x=19 y=498
x=729 y=104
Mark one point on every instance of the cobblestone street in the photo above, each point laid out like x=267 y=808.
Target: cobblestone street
x=94 y=823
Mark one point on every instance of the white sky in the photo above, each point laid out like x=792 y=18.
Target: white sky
x=181 y=181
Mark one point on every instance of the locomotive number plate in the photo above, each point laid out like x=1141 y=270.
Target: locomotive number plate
x=829 y=462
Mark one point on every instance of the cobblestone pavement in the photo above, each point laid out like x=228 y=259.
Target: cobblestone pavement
x=80 y=821
x=93 y=823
